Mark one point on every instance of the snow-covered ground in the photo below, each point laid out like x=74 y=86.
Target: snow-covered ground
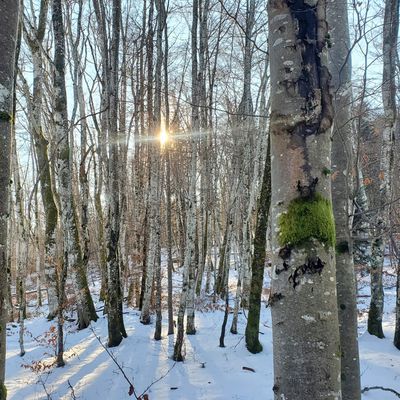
x=209 y=372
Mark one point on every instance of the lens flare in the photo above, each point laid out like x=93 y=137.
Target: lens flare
x=163 y=138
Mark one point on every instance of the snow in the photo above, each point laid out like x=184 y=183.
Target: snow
x=209 y=372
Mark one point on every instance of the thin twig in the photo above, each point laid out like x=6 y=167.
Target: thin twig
x=237 y=344
x=158 y=380
x=72 y=390
x=131 y=387
x=44 y=387
x=366 y=389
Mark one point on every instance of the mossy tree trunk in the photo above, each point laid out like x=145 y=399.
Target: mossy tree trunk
x=258 y=263
x=342 y=195
x=304 y=310
x=9 y=15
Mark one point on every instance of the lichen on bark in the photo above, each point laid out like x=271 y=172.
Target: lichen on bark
x=306 y=219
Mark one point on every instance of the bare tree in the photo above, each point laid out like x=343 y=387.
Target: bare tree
x=72 y=251
x=390 y=33
x=9 y=16
x=191 y=202
x=116 y=328
x=34 y=38
x=342 y=196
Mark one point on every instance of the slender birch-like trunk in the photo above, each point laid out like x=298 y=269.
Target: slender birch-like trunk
x=342 y=196
x=390 y=33
x=191 y=244
x=34 y=39
x=161 y=21
x=21 y=248
x=69 y=220
x=116 y=327
x=9 y=14
x=188 y=266
x=154 y=167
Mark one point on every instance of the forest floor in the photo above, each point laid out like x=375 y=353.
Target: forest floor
x=209 y=372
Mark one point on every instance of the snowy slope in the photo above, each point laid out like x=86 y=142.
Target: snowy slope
x=209 y=372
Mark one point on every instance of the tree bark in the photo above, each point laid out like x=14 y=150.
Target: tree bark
x=188 y=267
x=258 y=263
x=342 y=196
x=390 y=33
x=34 y=40
x=69 y=219
x=303 y=292
x=116 y=327
x=9 y=15
x=154 y=168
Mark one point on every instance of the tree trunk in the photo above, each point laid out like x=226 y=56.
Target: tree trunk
x=34 y=40
x=188 y=267
x=161 y=21
x=304 y=309
x=21 y=248
x=258 y=263
x=69 y=220
x=390 y=33
x=342 y=196
x=116 y=327
x=9 y=13
x=154 y=160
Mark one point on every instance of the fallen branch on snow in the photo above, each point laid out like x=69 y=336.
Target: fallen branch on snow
x=366 y=389
x=131 y=387
x=132 y=391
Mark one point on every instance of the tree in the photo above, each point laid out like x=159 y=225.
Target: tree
x=9 y=16
x=258 y=262
x=245 y=128
x=188 y=267
x=72 y=261
x=389 y=92
x=390 y=33
x=342 y=196
x=303 y=292
x=34 y=38
x=154 y=170
x=116 y=328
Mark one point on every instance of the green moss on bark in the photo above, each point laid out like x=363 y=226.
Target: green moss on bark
x=306 y=219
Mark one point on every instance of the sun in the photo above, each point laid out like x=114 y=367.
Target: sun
x=163 y=137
